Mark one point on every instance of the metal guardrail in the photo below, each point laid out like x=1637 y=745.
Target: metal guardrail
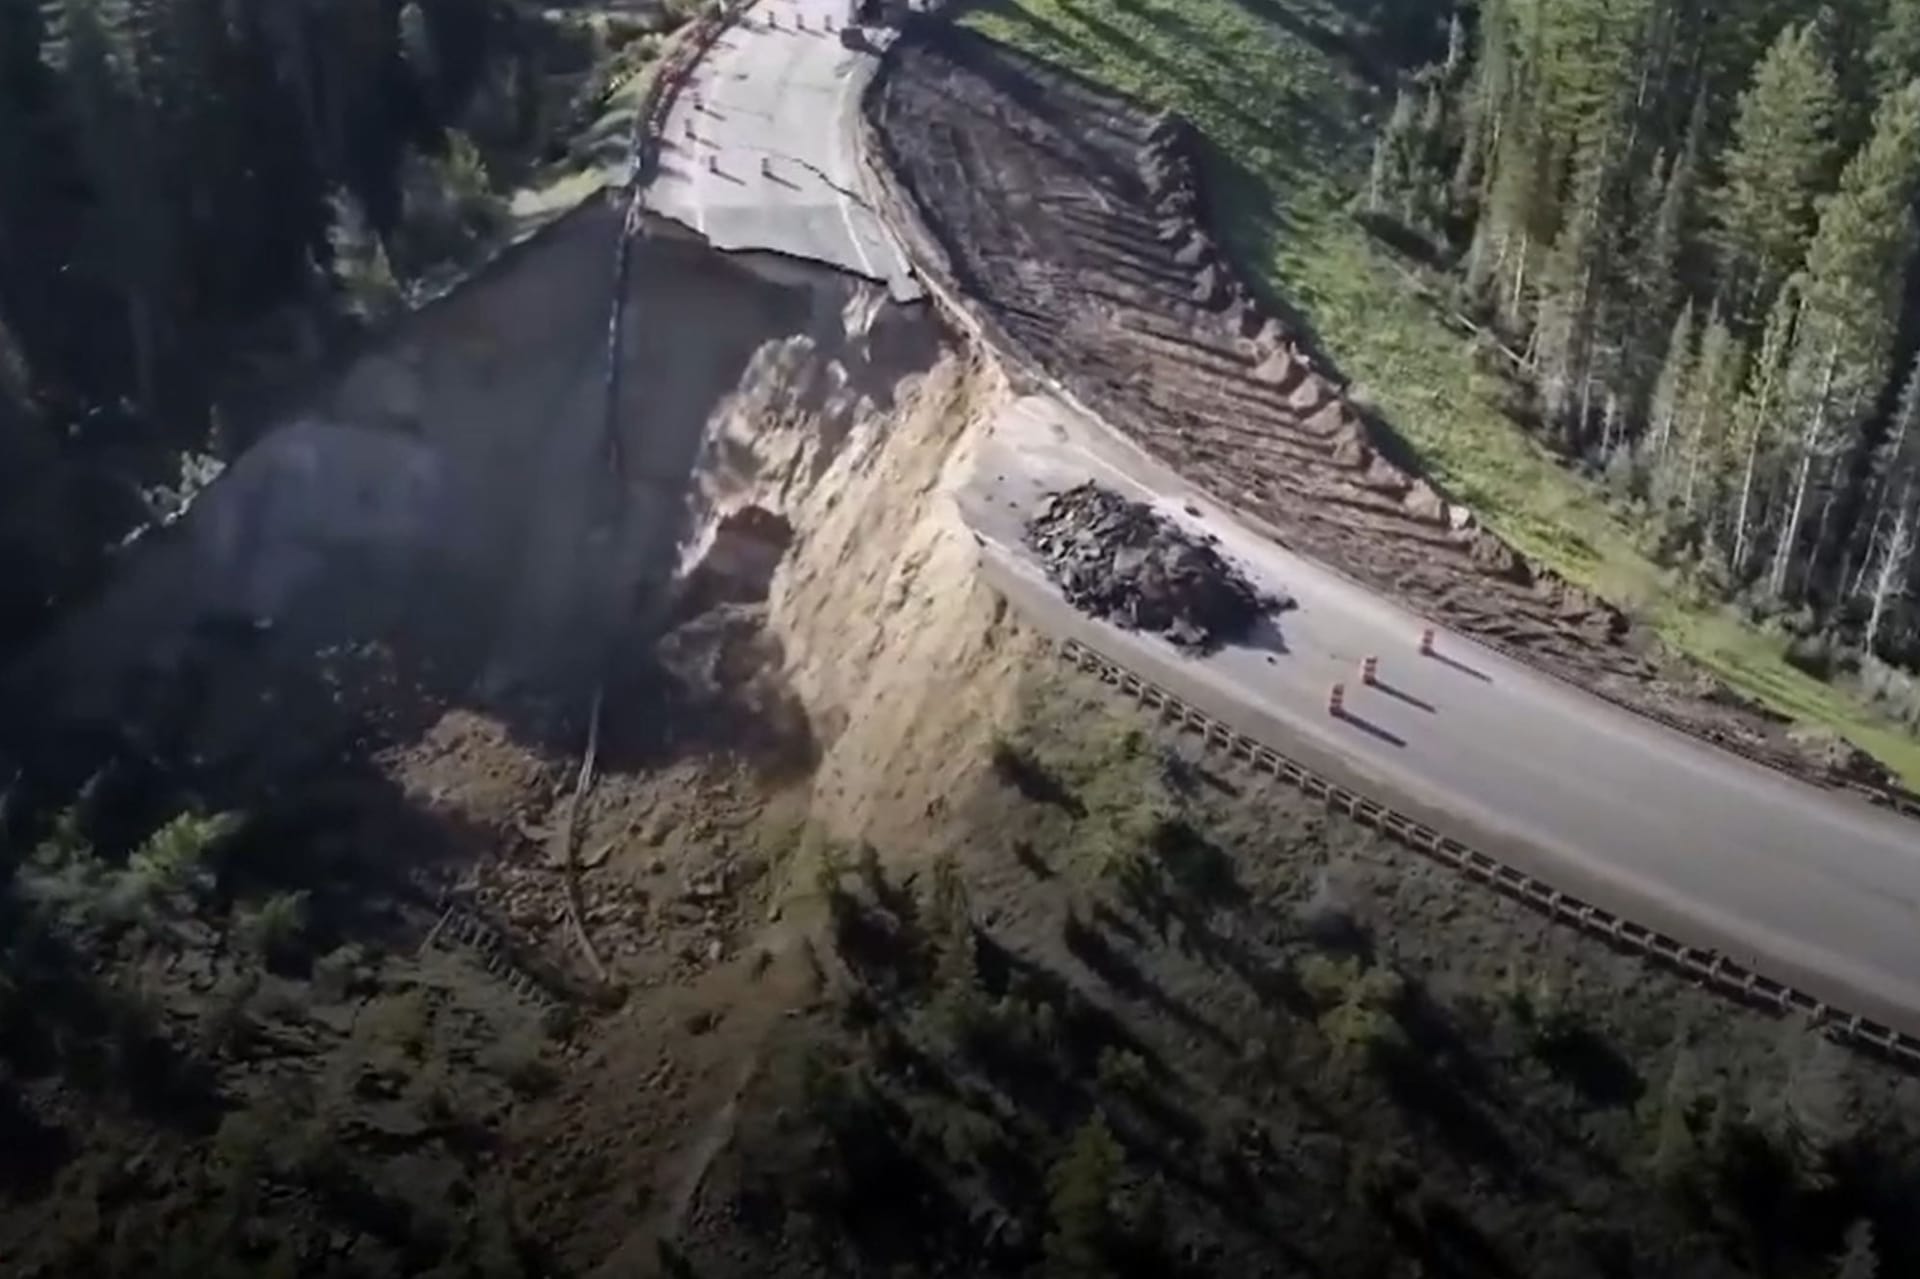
x=1711 y=968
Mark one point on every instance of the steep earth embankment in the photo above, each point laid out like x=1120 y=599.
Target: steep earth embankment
x=887 y=636
x=377 y=636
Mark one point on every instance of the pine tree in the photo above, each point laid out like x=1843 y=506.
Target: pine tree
x=1896 y=559
x=1395 y=160
x=1812 y=1112
x=1894 y=54
x=1573 y=280
x=127 y=230
x=1773 y=167
x=360 y=265
x=1516 y=213
x=1818 y=410
x=1080 y=1189
x=1711 y=397
x=1654 y=285
x=1485 y=102
x=1757 y=424
x=1670 y=389
x=1896 y=462
x=1857 y=261
x=1854 y=276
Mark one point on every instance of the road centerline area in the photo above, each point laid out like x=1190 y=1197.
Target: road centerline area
x=766 y=127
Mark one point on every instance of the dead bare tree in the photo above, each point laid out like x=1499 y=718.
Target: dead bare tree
x=1889 y=583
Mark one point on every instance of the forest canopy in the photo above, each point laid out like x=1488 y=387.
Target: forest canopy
x=1690 y=226
x=187 y=184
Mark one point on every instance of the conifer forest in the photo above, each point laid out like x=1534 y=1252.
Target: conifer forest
x=1689 y=229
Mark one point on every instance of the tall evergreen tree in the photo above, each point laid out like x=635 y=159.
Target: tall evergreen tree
x=1486 y=102
x=1812 y=391
x=1772 y=170
x=1757 y=432
x=1894 y=564
x=1574 y=280
x=1670 y=389
x=1856 y=266
x=1853 y=280
x=1712 y=394
x=1080 y=1189
x=1894 y=54
x=127 y=240
x=1896 y=463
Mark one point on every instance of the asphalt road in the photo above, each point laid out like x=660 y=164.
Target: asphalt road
x=760 y=150
x=1802 y=884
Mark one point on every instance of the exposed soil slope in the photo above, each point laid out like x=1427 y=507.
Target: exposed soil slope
x=1076 y=221
x=553 y=1060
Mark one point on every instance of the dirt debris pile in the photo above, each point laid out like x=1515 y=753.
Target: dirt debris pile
x=1119 y=560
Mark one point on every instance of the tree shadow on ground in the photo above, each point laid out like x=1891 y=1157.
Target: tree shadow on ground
x=1197 y=867
x=1436 y=1101
x=887 y=1202
x=1432 y=1032
x=886 y=951
x=1592 y=1066
x=1032 y=779
x=1446 y=1241
x=1031 y=860
x=1091 y=947
x=1083 y=1029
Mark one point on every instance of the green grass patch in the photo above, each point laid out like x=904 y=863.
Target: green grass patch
x=1288 y=121
x=597 y=153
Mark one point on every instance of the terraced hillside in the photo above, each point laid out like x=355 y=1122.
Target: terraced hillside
x=1076 y=220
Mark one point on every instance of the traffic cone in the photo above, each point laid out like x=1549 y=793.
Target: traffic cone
x=1337 y=701
x=1426 y=642
x=1369 y=671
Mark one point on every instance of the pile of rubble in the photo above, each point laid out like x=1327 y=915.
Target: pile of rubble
x=1119 y=560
